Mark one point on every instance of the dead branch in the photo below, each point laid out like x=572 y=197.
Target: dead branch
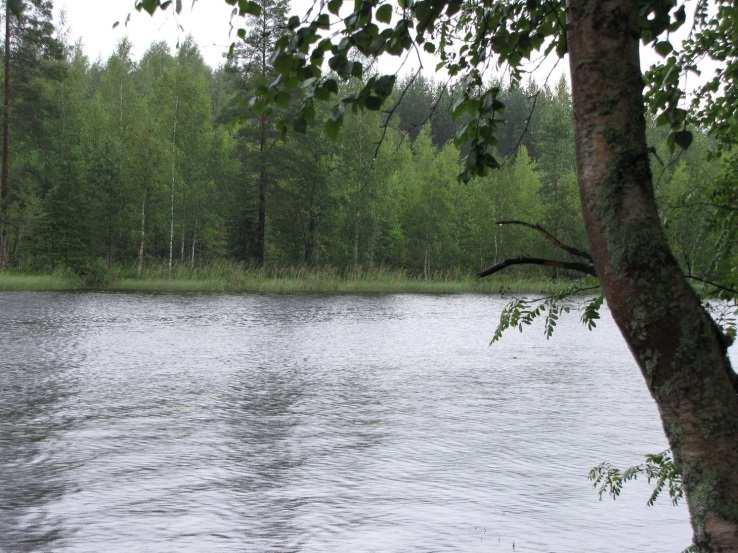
x=551 y=238
x=568 y=265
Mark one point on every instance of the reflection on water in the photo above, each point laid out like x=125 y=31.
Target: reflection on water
x=313 y=424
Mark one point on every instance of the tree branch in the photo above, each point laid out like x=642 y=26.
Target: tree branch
x=713 y=284
x=571 y=250
x=568 y=265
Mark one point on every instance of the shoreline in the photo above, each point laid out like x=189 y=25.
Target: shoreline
x=247 y=283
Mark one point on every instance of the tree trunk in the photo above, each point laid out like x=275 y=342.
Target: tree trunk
x=679 y=349
x=143 y=236
x=356 y=239
x=109 y=212
x=371 y=247
x=311 y=242
x=5 y=172
x=194 y=241
x=174 y=169
x=261 y=223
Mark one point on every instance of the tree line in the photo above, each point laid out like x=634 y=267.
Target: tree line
x=166 y=161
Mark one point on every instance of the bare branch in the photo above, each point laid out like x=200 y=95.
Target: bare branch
x=571 y=250
x=390 y=113
x=713 y=284
x=528 y=119
x=568 y=265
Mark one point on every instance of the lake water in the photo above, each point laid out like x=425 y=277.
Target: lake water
x=134 y=423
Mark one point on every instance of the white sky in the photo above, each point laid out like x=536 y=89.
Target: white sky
x=208 y=21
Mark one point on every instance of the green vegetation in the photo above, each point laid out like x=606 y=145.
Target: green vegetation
x=232 y=278
x=16 y=282
x=164 y=162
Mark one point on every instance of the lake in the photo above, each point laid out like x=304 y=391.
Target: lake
x=132 y=423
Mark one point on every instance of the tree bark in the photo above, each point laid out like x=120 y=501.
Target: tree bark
x=5 y=171
x=426 y=263
x=680 y=351
x=142 y=236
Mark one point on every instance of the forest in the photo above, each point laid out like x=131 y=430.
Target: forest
x=161 y=163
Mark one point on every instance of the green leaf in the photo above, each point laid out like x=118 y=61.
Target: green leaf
x=249 y=7
x=663 y=48
x=324 y=21
x=357 y=70
x=464 y=105
x=384 y=13
x=148 y=5
x=283 y=63
x=373 y=103
x=331 y=85
x=334 y=6
x=384 y=85
x=338 y=64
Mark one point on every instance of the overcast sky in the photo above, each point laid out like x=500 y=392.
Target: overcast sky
x=92 y=22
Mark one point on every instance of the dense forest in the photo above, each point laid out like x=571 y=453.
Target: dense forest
x=163 y=162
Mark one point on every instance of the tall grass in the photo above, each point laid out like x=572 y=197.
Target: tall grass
x=235 y=278
x=228 y=277
x=57 y=281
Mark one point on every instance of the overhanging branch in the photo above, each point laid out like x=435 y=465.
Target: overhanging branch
x=568 y=265
x=551 y=238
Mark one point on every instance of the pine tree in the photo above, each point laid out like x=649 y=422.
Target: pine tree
x=250 y=64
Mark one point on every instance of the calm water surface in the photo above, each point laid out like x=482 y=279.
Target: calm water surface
x=315 y=424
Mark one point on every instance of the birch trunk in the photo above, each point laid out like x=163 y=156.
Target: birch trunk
x=142 y=236
x=174 y=169
x=679 y=349
x=194 y=241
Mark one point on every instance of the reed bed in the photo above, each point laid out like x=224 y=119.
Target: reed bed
x=226 y=277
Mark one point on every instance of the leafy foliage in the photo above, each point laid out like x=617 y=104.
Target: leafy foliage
x=659 y=470
x=520 y=312
x=713 y=37
x=467 y=38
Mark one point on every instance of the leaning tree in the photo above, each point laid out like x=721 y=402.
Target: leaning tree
x=681 y=352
